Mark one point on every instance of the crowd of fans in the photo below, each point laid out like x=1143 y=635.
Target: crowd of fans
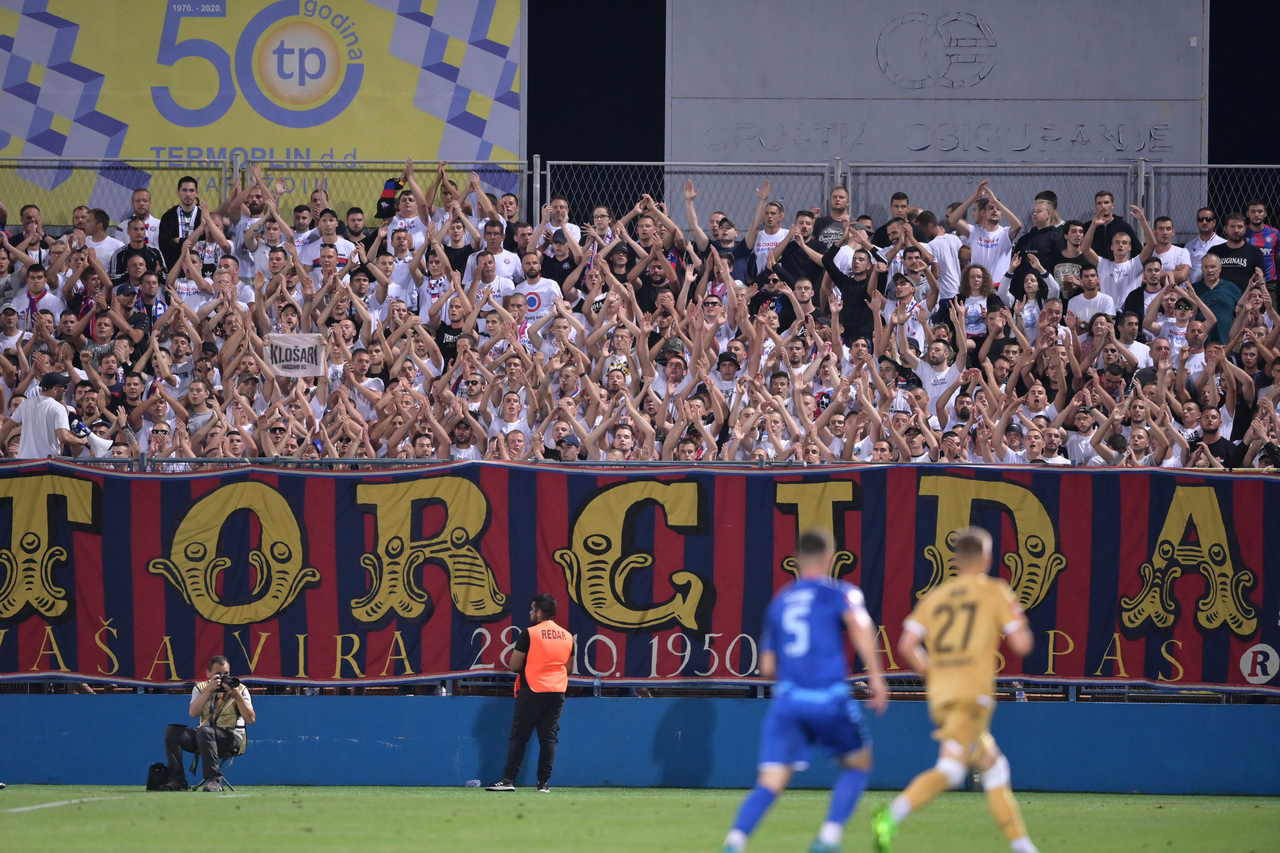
x=454 y=331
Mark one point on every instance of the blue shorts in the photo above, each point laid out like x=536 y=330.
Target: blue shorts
x=794 y=723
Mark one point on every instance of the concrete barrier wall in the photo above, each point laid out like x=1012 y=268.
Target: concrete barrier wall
x=298 y=740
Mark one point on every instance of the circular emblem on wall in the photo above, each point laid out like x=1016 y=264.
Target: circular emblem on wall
x=1259 y=664
x=955 y=51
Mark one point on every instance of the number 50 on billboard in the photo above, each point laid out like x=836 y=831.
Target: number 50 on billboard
x=296 y=79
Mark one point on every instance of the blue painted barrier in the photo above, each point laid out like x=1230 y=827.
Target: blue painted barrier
x=426 y=740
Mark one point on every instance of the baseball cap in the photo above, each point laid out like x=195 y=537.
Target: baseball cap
x=52 y=380
x=559 y=237
x=571 y=440
x=126 y=289
x=209 y=347
x=330 y=211
x=1183 y=302
x=8 y=307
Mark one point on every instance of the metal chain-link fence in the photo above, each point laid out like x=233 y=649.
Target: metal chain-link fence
x=726 y=187
x=58 y=186
x=1179 y=191
x=360 y=183
x=1016 y=185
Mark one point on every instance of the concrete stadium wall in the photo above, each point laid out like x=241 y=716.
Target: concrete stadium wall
x=937 y=81
x=1154 y=749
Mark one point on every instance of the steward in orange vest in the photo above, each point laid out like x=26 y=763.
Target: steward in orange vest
x=541 y=661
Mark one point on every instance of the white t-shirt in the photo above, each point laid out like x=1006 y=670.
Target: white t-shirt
x=505 y=264
x=574 y=232
x=1141 y=352
x=414 y=226
x=1196 y=250
x=1119 y=279
x=428 y=292
x=309 y=255
x=1176 y=336
x=363 y=406
x=538 y=297
x=248 y=260
x=260 y=259
x=1175 y=257
x=28 y=306
x=1080 y=447
x=152 y=233
x=1085 y=308
x=105 y=248
x=766 y=243
x=934 y=381
x=946 y=251
x=190 y=292
x=502 y=288
x=991 y=249
x=41 y=418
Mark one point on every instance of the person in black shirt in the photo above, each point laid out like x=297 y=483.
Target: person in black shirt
x=508 y=208
x=180 y=220
x=1221 y=448
x=1111 y=225
x=829 y=229
x=137 y=245
x=802 y=252
x=562 y=261
x=652 y=275
x=1239 y=259
x=457 y=247
x=353 y=229
x=1043 y=240
x=856 y=319
x=898 y=206
x=774 y=294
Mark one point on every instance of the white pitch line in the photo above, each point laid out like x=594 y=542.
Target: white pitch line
x=59 y=803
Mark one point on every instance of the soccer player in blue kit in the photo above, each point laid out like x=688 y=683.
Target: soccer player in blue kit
x=803 y=651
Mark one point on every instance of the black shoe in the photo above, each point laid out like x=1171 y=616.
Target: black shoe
x=502 y=785
x=544 y=788
x=174 y=786
x=212 y=786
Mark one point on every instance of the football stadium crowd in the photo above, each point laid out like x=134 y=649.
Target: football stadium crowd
x=453 y=330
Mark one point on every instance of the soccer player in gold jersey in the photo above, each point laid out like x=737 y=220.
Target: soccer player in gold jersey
x=952 y=638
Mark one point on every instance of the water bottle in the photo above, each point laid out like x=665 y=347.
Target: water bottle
x=473 y=783
x=1019 y=694
x=311 y=691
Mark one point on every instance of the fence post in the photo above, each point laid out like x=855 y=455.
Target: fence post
x=838 y=174
x=1141 y=191
x=535 y=203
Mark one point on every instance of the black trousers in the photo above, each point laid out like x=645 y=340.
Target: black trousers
x=213 y=744
x=540 y=711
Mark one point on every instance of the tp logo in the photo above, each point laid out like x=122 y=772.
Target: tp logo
x=298 y=63
x=1259 y=664
x=955 y=51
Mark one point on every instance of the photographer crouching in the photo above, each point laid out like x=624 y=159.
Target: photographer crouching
x=224 y=707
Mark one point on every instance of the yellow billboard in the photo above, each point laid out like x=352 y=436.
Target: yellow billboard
x=166 y=84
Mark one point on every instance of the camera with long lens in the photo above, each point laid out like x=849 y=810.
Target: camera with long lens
x=226 y=680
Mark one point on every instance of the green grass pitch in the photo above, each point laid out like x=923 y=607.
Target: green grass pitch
x=615 y=820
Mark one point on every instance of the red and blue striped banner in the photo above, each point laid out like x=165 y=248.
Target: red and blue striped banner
x=662 y=574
